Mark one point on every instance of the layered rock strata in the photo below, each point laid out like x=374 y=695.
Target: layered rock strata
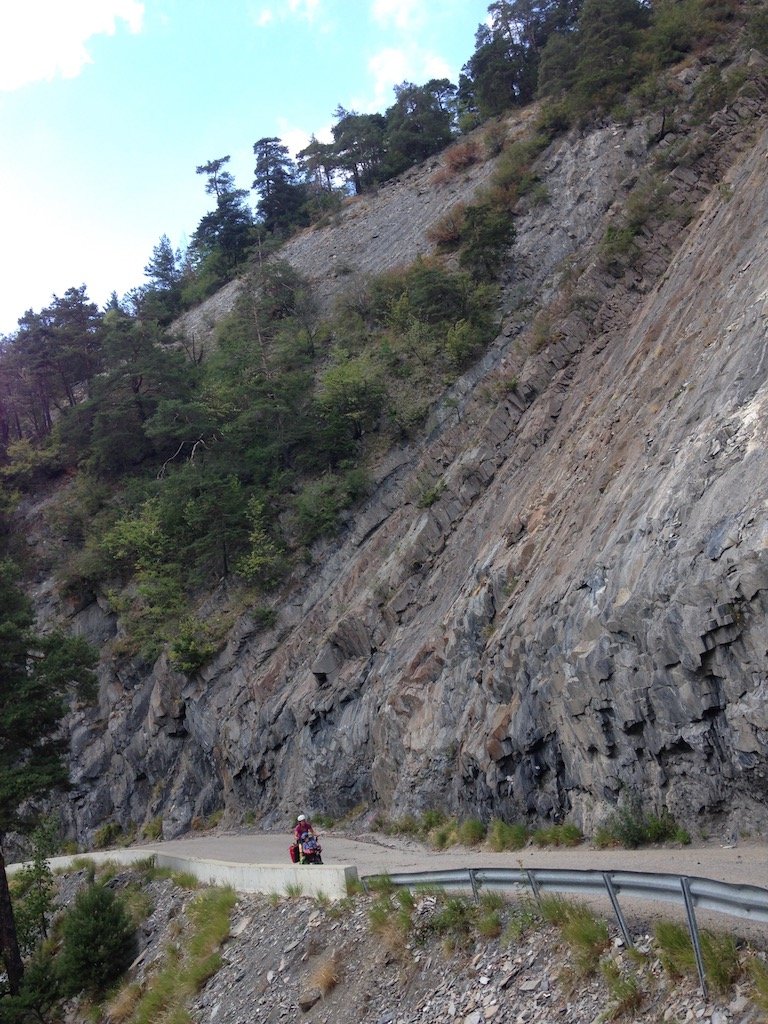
x=557 y=597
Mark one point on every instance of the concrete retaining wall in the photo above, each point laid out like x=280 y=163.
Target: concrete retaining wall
x=330 y=880
x=311 y=879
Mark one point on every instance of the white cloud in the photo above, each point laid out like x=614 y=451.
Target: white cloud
x=392 y=66
x=40 y=39
x=263 y=17
x=296 y=138
x=304 y=10
x=403 y=14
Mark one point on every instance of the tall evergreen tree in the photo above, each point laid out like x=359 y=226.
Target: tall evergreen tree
x=224 y=235
x=36 y=675
x=607 y=37
x=502 y=72
x=418 y=123
x=317 y=162
x=359 y=142
x=164 y=267
x=281 y=195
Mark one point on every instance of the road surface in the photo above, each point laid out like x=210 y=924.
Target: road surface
x=743 y=863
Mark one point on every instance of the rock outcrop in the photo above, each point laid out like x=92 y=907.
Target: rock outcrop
x=559 y=594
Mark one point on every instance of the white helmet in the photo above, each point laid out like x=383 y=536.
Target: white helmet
x=301 y=817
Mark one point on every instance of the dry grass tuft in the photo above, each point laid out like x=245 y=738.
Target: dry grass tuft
x=327 y=975
x=121 y=1008
x=441 y=176
x=461 y=156
x=446 y=232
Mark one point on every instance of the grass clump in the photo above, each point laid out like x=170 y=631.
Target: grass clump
x=585 y=934
x=587 y=937
x=472 y=831
x=446 y=232
x=624 y=989
x=153 y=829
x=390 y=919
x=719 y=952
x=122 y=1007
x=758 y=973
x=504 y=836
x=524 y=916
x=186 y=970
x=455 y=922
x=674 y=948
x=558 y=835
x=489 y=914
x=112 y=834
x=554 y=909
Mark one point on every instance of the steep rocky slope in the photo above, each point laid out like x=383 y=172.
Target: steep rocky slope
x=281 y=953
x=555 y=597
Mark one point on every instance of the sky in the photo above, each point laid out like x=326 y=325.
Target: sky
x=108 y=106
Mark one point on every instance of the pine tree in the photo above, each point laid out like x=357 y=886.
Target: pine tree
x=36 y=675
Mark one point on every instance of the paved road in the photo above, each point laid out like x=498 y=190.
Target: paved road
x=745 y=863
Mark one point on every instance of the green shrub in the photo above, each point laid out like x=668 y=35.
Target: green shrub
x=39 y=994
x=630 y=826
x=463 y=343
x=758 y=28
x=488 y=232
x=430 y=494
x=193 y=645
x=318 y=506
x=454 y=922
x=264 y=562
x=618 y=248
x=424 y=292
x=98 y=942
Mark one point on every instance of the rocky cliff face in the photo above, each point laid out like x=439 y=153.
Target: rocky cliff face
x=559 y=594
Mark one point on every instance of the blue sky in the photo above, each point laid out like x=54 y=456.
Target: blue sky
x=107 y=107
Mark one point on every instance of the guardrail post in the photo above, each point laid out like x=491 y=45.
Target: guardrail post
x=473 y=883
x=533 y=884
x=617 y=910
x=694 y=930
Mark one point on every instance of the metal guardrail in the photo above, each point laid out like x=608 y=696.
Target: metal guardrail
x=749 y=902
